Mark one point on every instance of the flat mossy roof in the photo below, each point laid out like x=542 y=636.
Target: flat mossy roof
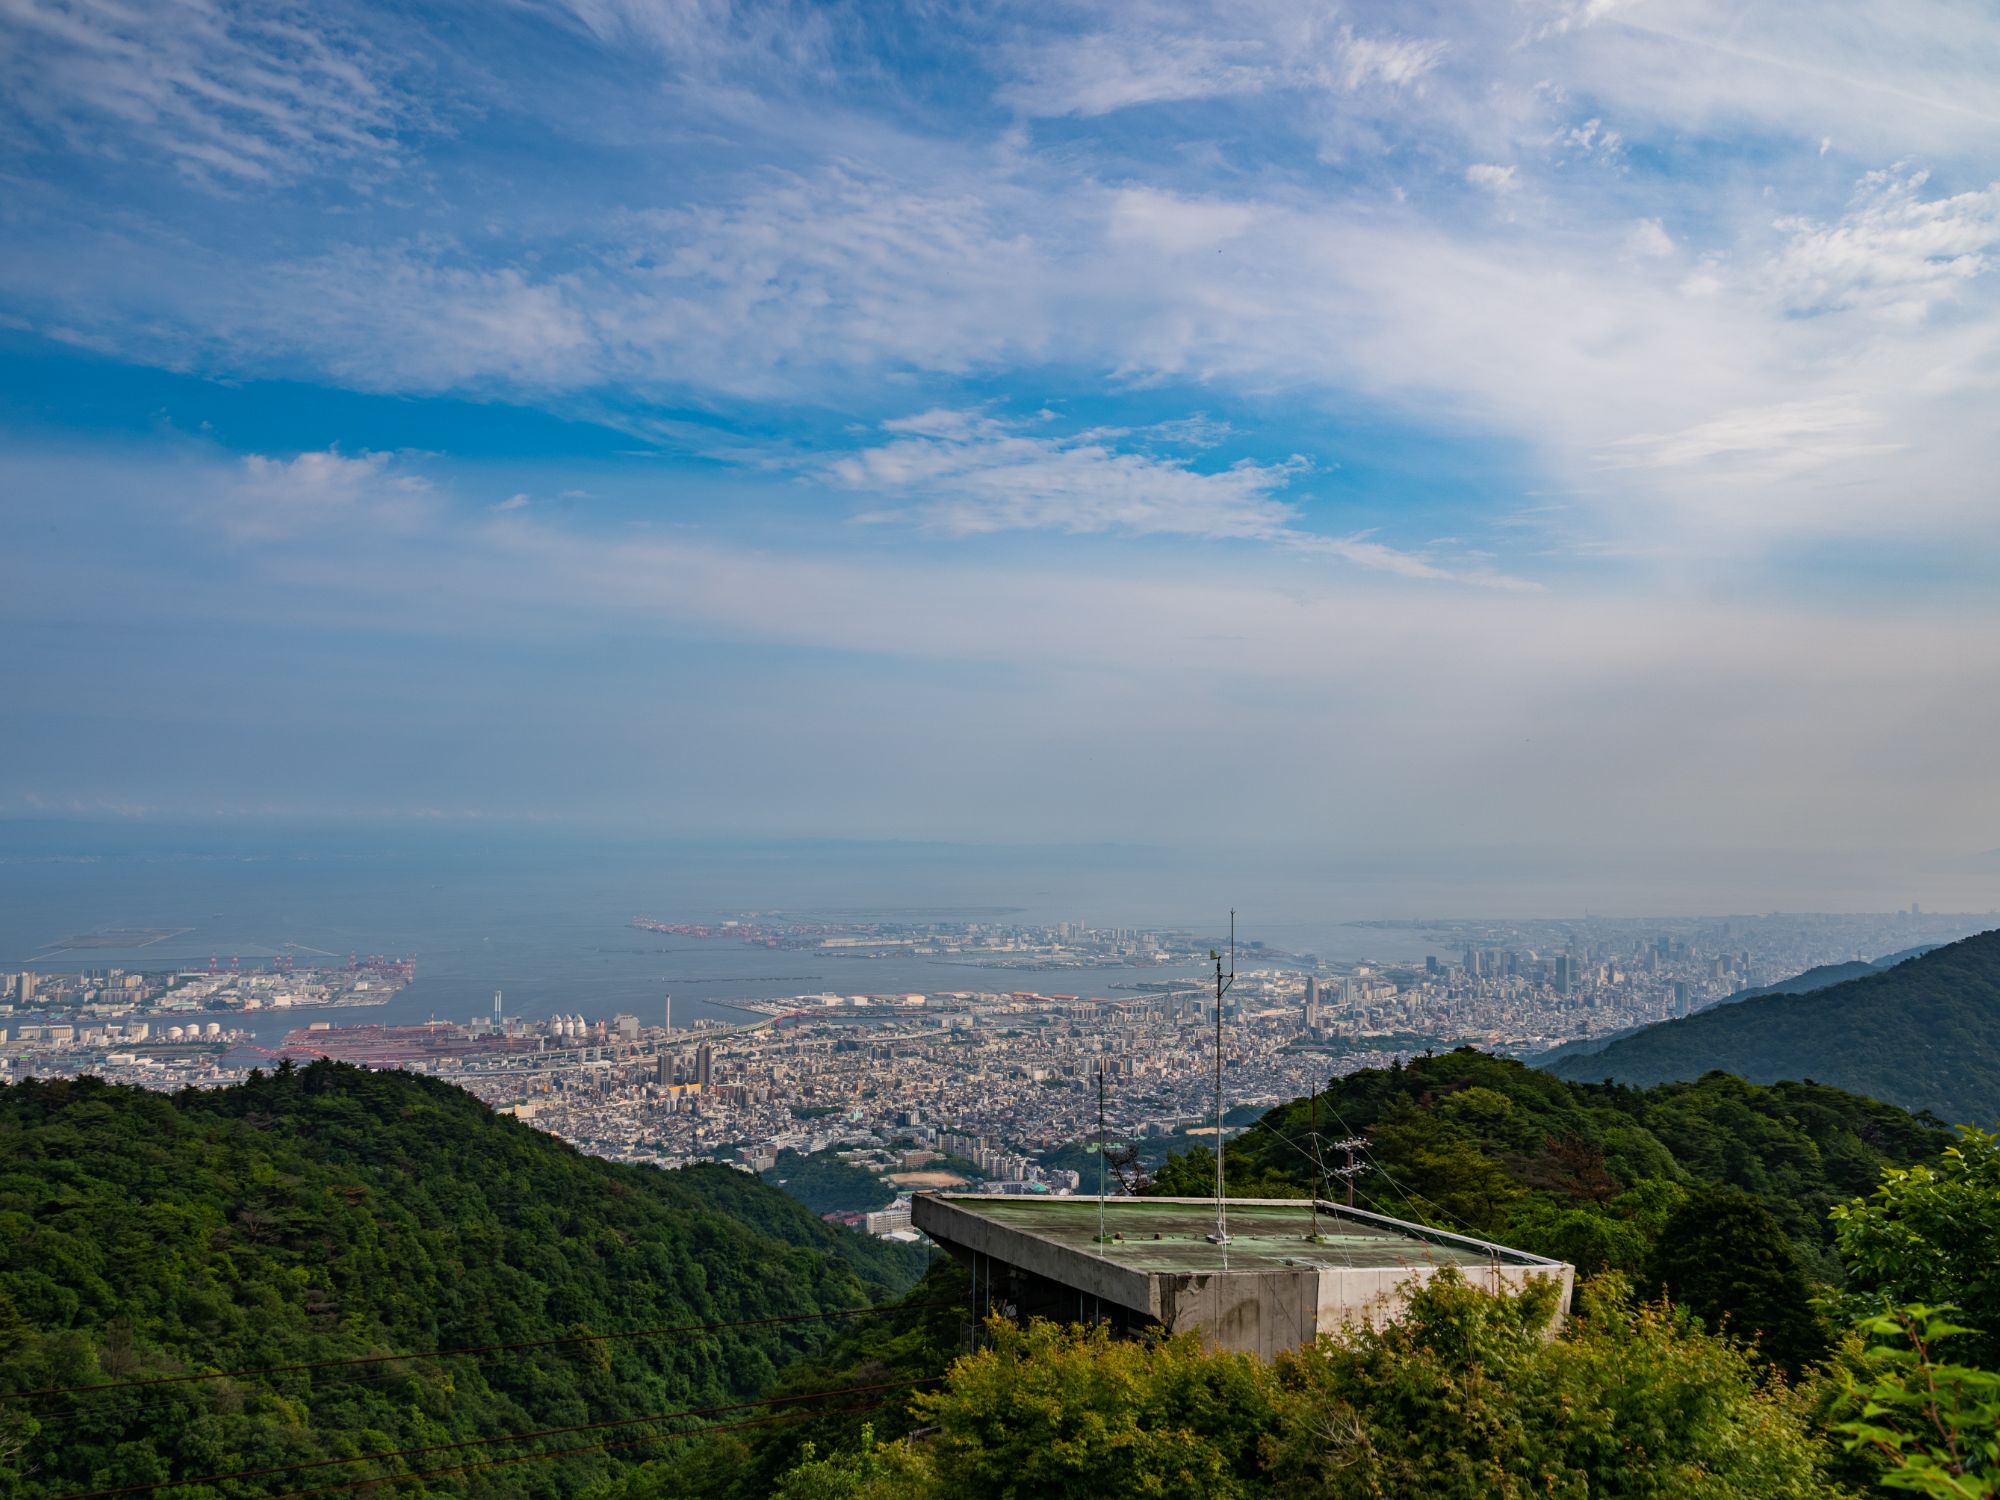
x=1171 y=1234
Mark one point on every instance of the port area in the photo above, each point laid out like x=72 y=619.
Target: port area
x=399 y=1046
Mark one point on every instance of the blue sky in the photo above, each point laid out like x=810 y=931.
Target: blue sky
x=1562 y=425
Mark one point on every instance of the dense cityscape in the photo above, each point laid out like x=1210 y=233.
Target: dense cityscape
x=976 y=1084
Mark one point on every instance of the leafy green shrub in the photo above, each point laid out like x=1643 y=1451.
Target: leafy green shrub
x=1932 y=1425
x=1931 y=1234
x=1465 y=1397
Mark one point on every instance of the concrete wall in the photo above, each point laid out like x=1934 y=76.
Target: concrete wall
x=1349 y=1299
x=1261 y=1312
x=1267 y=1312
x=1253 y=1312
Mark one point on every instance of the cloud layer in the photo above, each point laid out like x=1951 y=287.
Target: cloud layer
x=1566 y=416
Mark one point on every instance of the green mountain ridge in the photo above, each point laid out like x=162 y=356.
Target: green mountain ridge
x=1819 y=977
x=330 y=1213
x=1587 y=1172
x=1924 y=1034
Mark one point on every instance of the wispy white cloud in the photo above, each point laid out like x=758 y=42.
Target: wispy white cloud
x=1925 y=78
x=1176 y=222
x=1650 y=239
x=1393 y=60
x=1608 y=321
x=1493 y=177
x=968 y=473
x=1139 y=54
x=231 y=94
x=1895 y=253
x=312 y=494
x=1769 y=442
x=715 y=36
x=1589 y=140
x=1600 y=340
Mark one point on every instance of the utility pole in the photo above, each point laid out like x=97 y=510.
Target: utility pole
x=1222 y=987
x=1353 y=1169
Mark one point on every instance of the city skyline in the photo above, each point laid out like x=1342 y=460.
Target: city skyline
x=1548 y=443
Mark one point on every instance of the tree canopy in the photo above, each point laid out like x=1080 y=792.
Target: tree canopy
x=328 y=1212
x=1463 y=1398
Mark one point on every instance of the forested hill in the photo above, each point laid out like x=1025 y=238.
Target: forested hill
x=1473 y=1142
x=1924 y=1034
x=1820 y=977
x=328 y=1212
x=1825 y=976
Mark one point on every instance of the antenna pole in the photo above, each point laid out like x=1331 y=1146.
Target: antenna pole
x=1222 y=985
x=1314 y=1136
x=1100 y=1150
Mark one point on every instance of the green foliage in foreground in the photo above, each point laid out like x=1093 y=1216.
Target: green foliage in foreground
x=1931 y=1234
x=826 y=1184
x=329 y=1212
x=1585 y=1172
x=1933 y=1425
x=1463 y=1399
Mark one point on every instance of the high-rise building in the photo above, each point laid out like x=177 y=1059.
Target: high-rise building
x=1565 y=975
x=704 y=1065
x=668 y=1020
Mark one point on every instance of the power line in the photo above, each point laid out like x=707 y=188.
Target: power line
x=1410 y=1202
x=469 y=1349
x=512 y=1437
x=1376 y=1161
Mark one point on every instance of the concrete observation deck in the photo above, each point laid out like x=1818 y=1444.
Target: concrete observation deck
x=1275 y=1285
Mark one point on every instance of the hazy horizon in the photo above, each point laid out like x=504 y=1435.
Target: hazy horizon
x=1189 y=885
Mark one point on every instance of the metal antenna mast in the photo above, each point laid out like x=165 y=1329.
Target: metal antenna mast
x=1101 y=1139
x=1317 y=1162
x=1222 y=987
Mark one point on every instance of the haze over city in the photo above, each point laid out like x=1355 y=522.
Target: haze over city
x=1535 y=449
